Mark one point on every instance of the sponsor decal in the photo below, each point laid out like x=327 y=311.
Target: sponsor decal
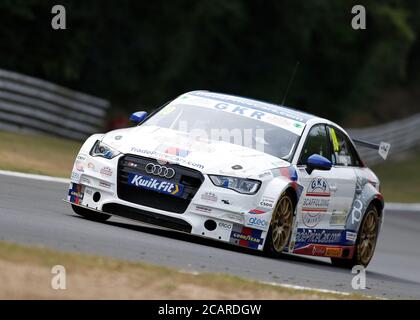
x=104 y=184
x=318 y=236
x=75 y=176
x=247 y=237
x=256 y=222
x=318 y=251
x=333 y=252
x=177 y=151
x=364 y=195
x=311 y=219
x=167 y=157
x=315 y=205
x=118 y=137
x=225 y=225
x=106 y=171
x=85 y=180
x=203 y=209
x=76 y=192
x=79 y=166
x=161 y=186
x=257 y=211
x=252 y=104
x=209 y=196
x=225 y=201
x=318 y=187
x=267 y=202
x=324 y=250
x=91 y=166
x=81 y=158
x=316 y=201
x=351 y=236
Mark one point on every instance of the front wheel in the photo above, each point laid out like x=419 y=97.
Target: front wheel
x=280 y=226
x=366 y=241
x=89 y=214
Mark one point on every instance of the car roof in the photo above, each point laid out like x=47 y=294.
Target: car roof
x=255 y=104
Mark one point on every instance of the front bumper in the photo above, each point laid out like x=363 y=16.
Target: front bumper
x=213 y=212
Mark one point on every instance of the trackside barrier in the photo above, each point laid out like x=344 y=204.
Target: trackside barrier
x=28 y=104
x=403 y=135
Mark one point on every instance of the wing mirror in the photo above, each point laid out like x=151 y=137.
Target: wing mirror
x=138 y=117
x=317 y=162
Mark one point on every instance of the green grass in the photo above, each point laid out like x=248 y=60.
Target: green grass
x=27 y=275
x=37 y=154
x=400 y=181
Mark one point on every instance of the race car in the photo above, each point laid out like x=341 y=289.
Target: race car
x=236 y=170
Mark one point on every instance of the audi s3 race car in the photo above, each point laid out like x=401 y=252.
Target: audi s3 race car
x=236 y=170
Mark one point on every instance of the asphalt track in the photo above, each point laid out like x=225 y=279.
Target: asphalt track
x=32 y=212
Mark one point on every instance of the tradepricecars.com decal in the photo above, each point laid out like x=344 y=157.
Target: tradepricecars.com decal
x=167 y=157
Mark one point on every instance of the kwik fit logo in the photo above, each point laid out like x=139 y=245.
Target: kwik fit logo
x=155 y=184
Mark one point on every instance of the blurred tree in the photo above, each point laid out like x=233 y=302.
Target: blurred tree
x=139 y=54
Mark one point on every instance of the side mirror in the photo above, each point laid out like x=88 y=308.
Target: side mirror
x=317 y=162
x=138 y=117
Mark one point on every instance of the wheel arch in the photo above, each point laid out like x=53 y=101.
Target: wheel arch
x=379 y=205
x=292 y=192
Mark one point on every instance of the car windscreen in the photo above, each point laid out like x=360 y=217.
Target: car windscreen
x=219 y=125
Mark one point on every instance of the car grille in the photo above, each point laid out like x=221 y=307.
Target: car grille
x=191 y=180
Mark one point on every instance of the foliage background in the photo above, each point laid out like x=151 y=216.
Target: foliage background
x=139 y=54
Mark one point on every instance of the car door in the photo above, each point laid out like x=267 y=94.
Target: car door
x=325 y=193
x=345 y=160
x=315 y=204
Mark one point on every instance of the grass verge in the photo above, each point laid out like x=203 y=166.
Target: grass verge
x=400 y=181
x=26 y=274
x=37 y=154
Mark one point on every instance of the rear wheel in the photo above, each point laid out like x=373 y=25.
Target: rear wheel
x=89 y=214
x=280 y=226
x=366 y=241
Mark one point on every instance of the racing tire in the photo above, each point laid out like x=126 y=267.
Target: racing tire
x=365 y=243
x=90 y=214
x=281 y=226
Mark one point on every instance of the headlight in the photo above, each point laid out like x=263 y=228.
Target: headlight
x=100 y=149
x=246 y=186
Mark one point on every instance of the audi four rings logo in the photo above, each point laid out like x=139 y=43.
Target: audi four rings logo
x=159 y=170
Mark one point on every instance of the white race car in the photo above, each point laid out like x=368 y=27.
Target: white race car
x=236 y=170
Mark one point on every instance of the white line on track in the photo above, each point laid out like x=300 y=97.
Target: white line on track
x=295 y=287
x=409 y=207
x=33 y=176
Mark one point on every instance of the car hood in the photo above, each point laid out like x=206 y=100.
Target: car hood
x=207 y=156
